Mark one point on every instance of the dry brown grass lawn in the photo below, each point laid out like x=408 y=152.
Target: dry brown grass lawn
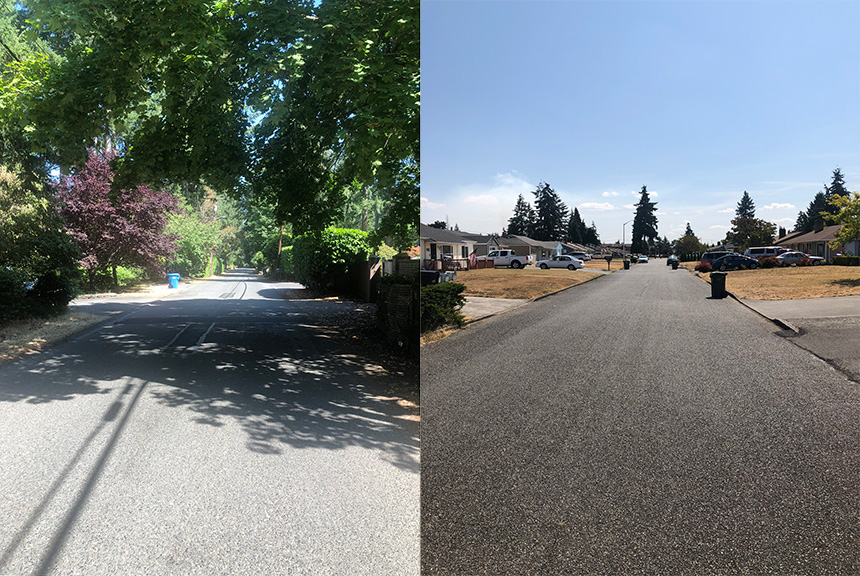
x=524 y=283
x=615 y=264
x=791 y=283
x=23 y=337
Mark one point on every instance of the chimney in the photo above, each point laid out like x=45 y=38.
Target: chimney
x=819 y=225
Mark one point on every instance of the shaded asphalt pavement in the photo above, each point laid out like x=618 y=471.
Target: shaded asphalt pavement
x=229 y=427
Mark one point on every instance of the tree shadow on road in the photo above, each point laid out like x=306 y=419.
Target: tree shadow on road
x=306 y=383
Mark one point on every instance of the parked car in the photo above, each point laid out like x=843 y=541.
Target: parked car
x=789 y=258
x=581 y=256
x=764 y=251
x=563 y=261
x=709 y=257
x=734 y=262
x=670 y=259
x=643 y=259
x=508 y=258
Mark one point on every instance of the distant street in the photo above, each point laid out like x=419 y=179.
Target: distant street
x=633 y=425
x=219 y=430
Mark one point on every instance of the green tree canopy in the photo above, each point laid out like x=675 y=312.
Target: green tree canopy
x=550 y=214
x=748 y=232
x=644 y=223
x=848 y=214
x=522 y=222
x=746 y=207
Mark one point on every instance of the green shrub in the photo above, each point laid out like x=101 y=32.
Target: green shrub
x=287 y=261
x=259 y=261
x=319 y=258
x=13 y=304
x=129 y=276
x=441 y=304
x=846 y=260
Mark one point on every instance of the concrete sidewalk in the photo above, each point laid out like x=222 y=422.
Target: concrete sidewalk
x=829 y=328
x=836 y=307
x=477 y=308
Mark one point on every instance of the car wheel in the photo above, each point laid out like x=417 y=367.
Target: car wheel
x=516 y=264
x=543 y=266
x=571 y=267
x=753 y=266
x=722 y=267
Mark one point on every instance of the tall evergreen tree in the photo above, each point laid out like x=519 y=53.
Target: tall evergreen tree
x=644 y=223
x=689 y=230
x=591 y=236
x=522 y=221
x=550 y=214
x=746 y=207
x=575 y=227
x=806 y=221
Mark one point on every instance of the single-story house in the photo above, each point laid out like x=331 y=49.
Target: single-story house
x=437 y=244
x=570 y=248
x=483 y=242
x=817 y=242
x=523 y=245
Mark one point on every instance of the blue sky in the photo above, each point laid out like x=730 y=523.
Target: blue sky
x=699 y=101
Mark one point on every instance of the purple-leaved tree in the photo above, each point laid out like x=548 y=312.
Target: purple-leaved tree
x=114 y=228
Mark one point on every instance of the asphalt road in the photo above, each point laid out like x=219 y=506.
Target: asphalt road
x=220 y=430
x=634 y=425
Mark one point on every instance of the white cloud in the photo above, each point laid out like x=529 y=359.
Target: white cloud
x=597 y=206
x=481 y=199
x=718 y=227
x=777 y=205
x=629 y=206
x=726 y=211
x=609 y=194
x=784 y=221
x=426 y=203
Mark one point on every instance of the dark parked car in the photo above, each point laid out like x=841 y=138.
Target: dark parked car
x=710 y=257
x=734 y=262
x=671 y=259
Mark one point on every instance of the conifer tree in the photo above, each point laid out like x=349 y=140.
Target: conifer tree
x=746 y=207
x=550 y=214
x=522 y=221
x=644 y=223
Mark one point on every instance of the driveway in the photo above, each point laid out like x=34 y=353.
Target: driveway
x=220 y=430
x=827 y=327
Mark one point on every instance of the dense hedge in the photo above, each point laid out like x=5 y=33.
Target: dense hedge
x=441 y=304
x=846 y=260
x=319 y=258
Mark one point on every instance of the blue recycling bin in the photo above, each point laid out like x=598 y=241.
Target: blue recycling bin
x=173 y=280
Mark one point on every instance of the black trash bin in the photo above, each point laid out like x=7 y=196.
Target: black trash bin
x=627 y=264
x=718 y=284
x=429 y=277
x=674 y=264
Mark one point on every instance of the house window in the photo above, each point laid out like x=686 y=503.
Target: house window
x=465 y=251
x=448 y=250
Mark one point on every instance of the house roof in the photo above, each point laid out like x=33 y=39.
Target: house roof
x=526 y=241
x=443 y=236
x=826 y=234
x=575 y=247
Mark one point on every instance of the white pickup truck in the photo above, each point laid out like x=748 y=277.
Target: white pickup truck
x=508 y=258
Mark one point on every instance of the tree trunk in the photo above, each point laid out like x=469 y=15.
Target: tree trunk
x=115 y=281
